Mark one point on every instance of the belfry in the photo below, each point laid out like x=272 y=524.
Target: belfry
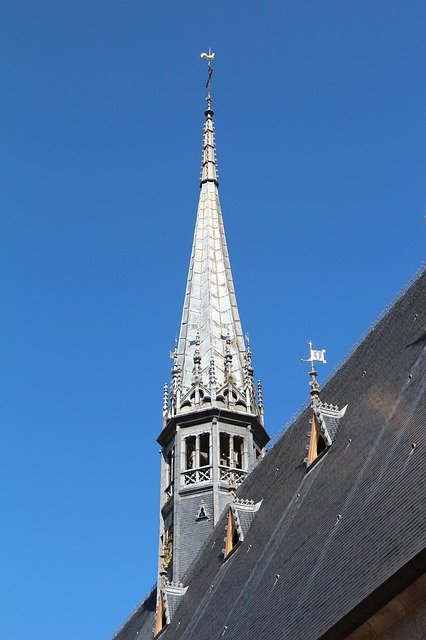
x=213 y=432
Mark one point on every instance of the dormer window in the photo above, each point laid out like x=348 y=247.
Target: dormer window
x=316 y=443
x=168 y=598
x=324 y=426
x=232 y=537
x=240 y=517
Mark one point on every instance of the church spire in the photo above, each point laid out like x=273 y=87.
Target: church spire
x=213 y=433
x=210 y=321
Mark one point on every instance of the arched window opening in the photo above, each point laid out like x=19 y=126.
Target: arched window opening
x=231 y=451
x=238 y=452
x=190 y=452
x=225 y=446
x=204 y=450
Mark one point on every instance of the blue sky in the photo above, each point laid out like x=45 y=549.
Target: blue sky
x=321 y=149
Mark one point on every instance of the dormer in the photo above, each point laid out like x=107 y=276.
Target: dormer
x=325 y=423
x=168 y=600
x=239 y=519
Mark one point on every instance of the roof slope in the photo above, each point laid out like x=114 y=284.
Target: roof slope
x=371 y=477
x=301 y=568
x=140 y=623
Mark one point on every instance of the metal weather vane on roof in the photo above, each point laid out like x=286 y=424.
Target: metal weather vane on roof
x=317 y=355
x=209 y=57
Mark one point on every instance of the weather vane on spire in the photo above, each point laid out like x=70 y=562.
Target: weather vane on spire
x=209 y=57
x=319 y=356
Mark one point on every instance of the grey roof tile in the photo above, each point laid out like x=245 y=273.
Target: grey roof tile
x=327 y=566
x=332 y=571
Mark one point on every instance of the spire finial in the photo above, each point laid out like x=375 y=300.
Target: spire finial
x=208 y=165
x=319 y=355
x=209 y=57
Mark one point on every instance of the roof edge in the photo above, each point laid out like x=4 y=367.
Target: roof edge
x=134 y=611
x=388 y=590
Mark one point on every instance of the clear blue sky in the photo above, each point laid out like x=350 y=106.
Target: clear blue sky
x=320 y=120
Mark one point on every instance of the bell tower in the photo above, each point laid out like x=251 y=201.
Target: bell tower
x=213 y=432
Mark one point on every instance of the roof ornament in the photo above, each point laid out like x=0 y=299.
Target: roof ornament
x=165 y=399
x=260 y=401
x=208 y=164
x=197 y=358
x=248 y=373
x=212 y=374
x=209 y=57
x=228 y=359
x=176 y=385
x=319 y=356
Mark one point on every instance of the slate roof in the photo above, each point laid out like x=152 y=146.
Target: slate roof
x=140 y=623
x=323 y=541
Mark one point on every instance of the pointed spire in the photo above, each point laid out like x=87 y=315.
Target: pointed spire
x=210 y=306
x=208 y=163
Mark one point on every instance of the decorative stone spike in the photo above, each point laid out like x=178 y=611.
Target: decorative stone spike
x=197 y=359
x=228 y=360
x=248 y=378
x=315 y=388
x=260 y=395
x=212 y=375
x=165 y=398
x=175 y=390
